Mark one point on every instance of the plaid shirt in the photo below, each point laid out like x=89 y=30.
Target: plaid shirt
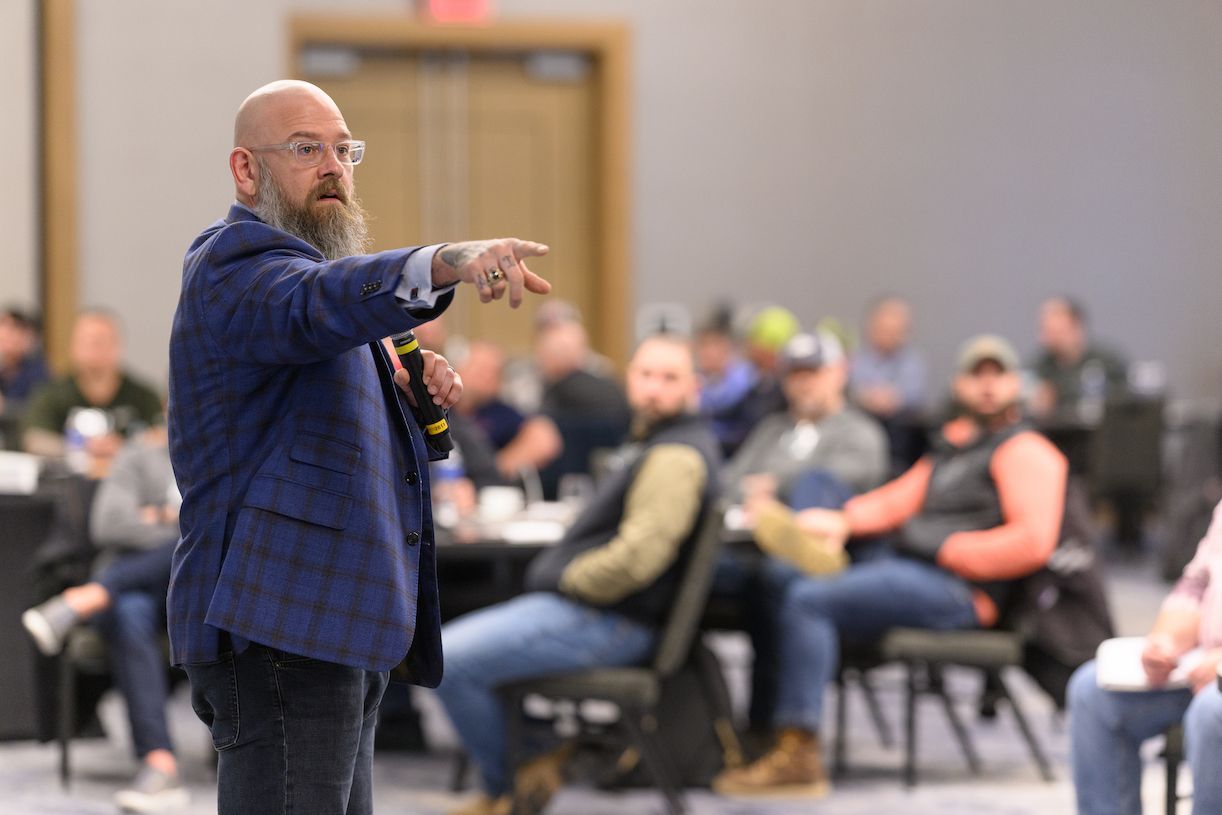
x=305 y=519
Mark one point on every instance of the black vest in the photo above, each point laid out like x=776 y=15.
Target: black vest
x=600 y=520
x=962 y=497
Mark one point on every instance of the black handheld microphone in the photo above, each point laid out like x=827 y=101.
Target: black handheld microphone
x=436 y=428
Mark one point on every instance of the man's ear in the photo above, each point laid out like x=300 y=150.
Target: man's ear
x=245 y=173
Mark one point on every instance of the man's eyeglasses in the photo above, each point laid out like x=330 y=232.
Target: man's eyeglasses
x=311 y=153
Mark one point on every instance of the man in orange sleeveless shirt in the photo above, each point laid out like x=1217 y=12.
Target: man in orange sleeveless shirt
x=981 y=510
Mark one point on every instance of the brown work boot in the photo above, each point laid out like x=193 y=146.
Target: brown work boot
x=792 y=769
x=483 y=805
x=538 y=780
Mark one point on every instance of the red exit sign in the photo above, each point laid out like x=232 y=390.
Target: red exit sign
x=458 y=11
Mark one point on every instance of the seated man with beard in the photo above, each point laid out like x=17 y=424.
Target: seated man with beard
x=598 y=597
x=981 y=510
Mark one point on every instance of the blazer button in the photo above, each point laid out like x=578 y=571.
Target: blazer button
x=411 y=479
x=413 y=538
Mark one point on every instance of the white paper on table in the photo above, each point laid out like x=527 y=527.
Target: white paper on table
x=1118 y=666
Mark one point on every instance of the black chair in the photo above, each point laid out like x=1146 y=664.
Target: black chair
x=636 y=691
x=926 y=654
x=855 y=667
x=84 y=654
x=1126 y=461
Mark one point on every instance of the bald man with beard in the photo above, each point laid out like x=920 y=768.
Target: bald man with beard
x=305 y=571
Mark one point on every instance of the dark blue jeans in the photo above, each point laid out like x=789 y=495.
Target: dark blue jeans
x=147 y=572
x=857 y=606
x=134 y=628
x=295 y=735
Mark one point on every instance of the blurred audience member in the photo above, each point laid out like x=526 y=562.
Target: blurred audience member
x=570 y=387
x=818 y=453
x=96 y=380
x=589 y=408
x=598 y=597
x=523 y=383
x=520 y=442
x=766 y=336
x=818 y=431
x=1181 y=658
x=727 y=381
x=1071 y=367
x=981 y=510
x=887 y=379
x=22 y=368
x=134 y=521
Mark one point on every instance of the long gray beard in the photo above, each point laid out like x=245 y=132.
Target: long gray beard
x=336 y=232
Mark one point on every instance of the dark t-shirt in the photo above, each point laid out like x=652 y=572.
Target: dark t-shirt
x=499 y=421
x=18 y=383
x=1068 y=381
x=587 y=396
x=134 y=407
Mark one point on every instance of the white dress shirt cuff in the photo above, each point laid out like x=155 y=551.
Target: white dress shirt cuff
x=416 y=290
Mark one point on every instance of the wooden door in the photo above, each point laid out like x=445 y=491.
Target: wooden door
x=466 y=144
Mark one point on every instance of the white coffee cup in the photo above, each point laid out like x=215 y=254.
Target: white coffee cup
x=500 y=503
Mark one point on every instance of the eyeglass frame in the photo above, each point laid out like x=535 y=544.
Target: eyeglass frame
x=292 y=146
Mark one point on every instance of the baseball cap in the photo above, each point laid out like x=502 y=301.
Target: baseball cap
x=810 y=351
x=772 y=328
x=987 y=347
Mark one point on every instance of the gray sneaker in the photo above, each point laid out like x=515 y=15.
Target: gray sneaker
x=49 y=623
x=153 y=791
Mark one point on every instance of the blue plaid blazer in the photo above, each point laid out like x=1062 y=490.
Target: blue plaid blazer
x=305 y=520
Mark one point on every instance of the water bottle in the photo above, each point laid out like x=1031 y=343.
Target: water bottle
x=75 y=453
x=447 y=473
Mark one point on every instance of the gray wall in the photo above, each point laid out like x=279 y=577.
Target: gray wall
x=975 y=156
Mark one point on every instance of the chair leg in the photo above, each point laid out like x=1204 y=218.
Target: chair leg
x=885 y=736
x=708 y=671
x=910 y=698
x=663 y=772
x=458 y=773
x=938 y=686
x=1037 y=753
x=840 y=747
x=515 y=746
x=66 y=715
x=1173 y=781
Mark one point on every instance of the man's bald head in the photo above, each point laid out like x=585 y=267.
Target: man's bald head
x=312 y=197
x=262 y=114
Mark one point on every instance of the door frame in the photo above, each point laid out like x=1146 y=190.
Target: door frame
x=607 y=46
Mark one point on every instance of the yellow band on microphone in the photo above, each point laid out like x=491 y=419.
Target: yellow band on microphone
x=402 y=350
x=437 y=427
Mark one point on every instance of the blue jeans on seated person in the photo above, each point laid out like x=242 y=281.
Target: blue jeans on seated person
x=294 y=734
x=537 y=634
x=857 y=607
x=134 y=627
x=1107 y=728
x=757 y=583
x=145 y=571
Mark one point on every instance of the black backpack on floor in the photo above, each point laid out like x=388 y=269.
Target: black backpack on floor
x=1062 y=609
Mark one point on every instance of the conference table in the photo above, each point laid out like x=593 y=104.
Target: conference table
x=25 y=523
x=481 y=561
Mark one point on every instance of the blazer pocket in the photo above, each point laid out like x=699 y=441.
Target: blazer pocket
x=325 y=452
x=298 y=501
